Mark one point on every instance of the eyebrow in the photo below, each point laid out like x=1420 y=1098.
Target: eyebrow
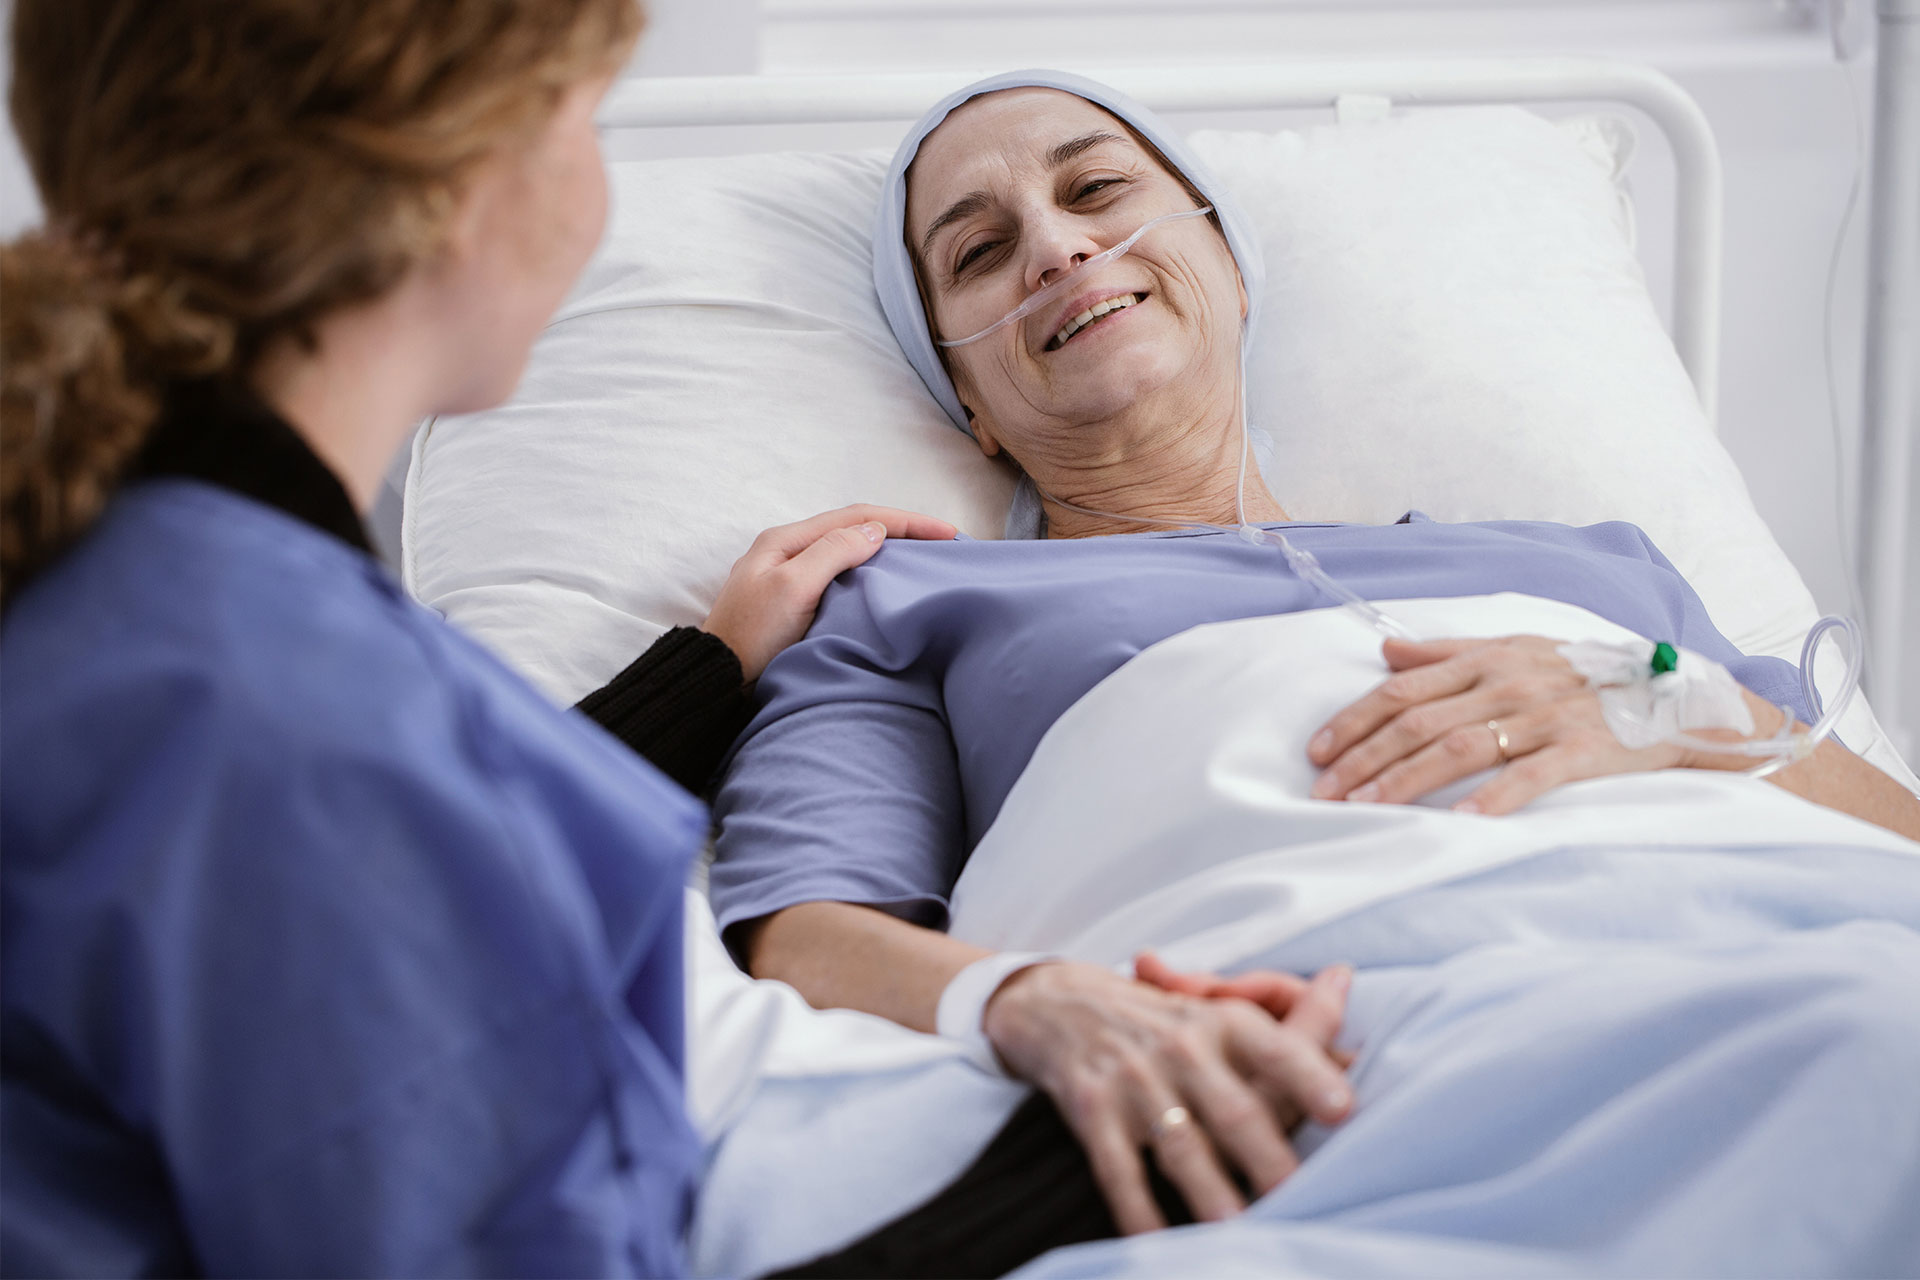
x=975 y=201
x=1074 y=146
x=965 y=207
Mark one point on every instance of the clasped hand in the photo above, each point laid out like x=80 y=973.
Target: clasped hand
x=1209 y=1074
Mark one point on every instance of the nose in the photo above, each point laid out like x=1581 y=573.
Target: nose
x=1056 y=244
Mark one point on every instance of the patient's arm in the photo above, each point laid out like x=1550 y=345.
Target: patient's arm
x=1427 y=726
x=1832 y=776
x=1116 y=1055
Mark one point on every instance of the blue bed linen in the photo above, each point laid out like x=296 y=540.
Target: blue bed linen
x=1679 y=1062
x=889 y=737
x=330 y=948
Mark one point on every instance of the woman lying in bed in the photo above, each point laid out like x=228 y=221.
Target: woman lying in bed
x=890 y=738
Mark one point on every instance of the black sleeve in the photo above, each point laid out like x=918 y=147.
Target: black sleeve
x=680 y=704
x=1031 y=1190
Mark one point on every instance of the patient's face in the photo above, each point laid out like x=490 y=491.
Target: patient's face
x=1018 y=187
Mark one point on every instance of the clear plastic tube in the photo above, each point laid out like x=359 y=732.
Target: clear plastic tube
x=1058 y=289
x=1304 y=564
x=1782 y=748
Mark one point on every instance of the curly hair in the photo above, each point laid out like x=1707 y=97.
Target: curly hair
x=219 y=176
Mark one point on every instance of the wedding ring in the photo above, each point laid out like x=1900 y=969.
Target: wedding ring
x=1170 y=1119
x=1500 y=743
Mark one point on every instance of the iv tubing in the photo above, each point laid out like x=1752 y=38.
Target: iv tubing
x=1782 y=748
x=1305 y=565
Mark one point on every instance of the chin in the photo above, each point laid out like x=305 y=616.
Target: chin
x=1119 y=383
x=490 y=384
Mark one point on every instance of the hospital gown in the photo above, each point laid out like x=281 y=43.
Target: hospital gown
x=329 y=946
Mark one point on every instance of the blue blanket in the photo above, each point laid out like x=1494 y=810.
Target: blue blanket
x=1604 y=1062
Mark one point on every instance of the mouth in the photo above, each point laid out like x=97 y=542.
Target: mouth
x=1091 y=316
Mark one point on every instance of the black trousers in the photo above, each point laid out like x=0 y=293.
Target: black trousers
x=1031 y=1190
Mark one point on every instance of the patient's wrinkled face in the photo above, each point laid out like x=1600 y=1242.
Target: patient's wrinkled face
x=1018 y=187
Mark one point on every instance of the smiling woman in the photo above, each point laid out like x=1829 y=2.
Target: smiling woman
x=956 y=663
x=1023 y=190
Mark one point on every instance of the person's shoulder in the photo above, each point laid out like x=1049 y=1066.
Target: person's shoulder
x=185 y=600
x=1607 y=537
x=904 y=572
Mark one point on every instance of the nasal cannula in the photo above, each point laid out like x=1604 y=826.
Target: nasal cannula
x=1777 y=751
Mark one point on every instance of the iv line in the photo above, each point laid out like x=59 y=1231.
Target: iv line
x=1782 y=748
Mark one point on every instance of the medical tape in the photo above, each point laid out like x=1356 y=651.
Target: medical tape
x=1656 y=693
x=1053 y=292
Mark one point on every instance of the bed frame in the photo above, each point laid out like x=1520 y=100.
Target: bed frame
x=653 y=103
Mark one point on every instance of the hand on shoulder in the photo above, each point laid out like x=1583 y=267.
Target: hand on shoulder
x=773 y=591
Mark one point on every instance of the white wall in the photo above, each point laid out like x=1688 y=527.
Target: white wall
x=1763 y=70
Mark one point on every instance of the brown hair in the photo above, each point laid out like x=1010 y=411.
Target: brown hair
x=218 y=176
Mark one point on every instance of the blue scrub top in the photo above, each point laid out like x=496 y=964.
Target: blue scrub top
x=330 y=947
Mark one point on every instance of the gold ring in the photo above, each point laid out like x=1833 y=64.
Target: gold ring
x=1170 y=1119
x=1500 y=742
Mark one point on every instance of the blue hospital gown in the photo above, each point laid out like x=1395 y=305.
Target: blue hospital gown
x=329 y=946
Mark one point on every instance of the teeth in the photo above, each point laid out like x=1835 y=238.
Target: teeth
x=1088 y=316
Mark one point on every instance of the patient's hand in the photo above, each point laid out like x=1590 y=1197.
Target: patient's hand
x=1119 y=1057
x=772 y=592
x=1427 y=726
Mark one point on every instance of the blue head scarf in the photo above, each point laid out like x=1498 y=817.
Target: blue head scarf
x=893 y=266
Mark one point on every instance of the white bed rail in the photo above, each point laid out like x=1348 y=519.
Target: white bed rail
x=761 y=100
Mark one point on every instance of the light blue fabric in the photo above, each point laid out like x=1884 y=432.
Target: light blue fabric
x=1674 y=1062
x=330 y=947
x=893 y=265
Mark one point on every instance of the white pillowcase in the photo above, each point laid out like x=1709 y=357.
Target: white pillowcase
x=1455 y=322
x=721 y=367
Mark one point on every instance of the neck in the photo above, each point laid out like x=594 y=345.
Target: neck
x=356 y=393
x=1188 y=476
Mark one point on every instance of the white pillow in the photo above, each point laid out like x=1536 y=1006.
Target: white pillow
x=721 y=367
x=1455 y=321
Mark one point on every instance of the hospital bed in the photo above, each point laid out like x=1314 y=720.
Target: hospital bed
x=1458 y=323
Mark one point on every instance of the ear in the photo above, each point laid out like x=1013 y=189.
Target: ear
x=1246 y=303
x=466 y=227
